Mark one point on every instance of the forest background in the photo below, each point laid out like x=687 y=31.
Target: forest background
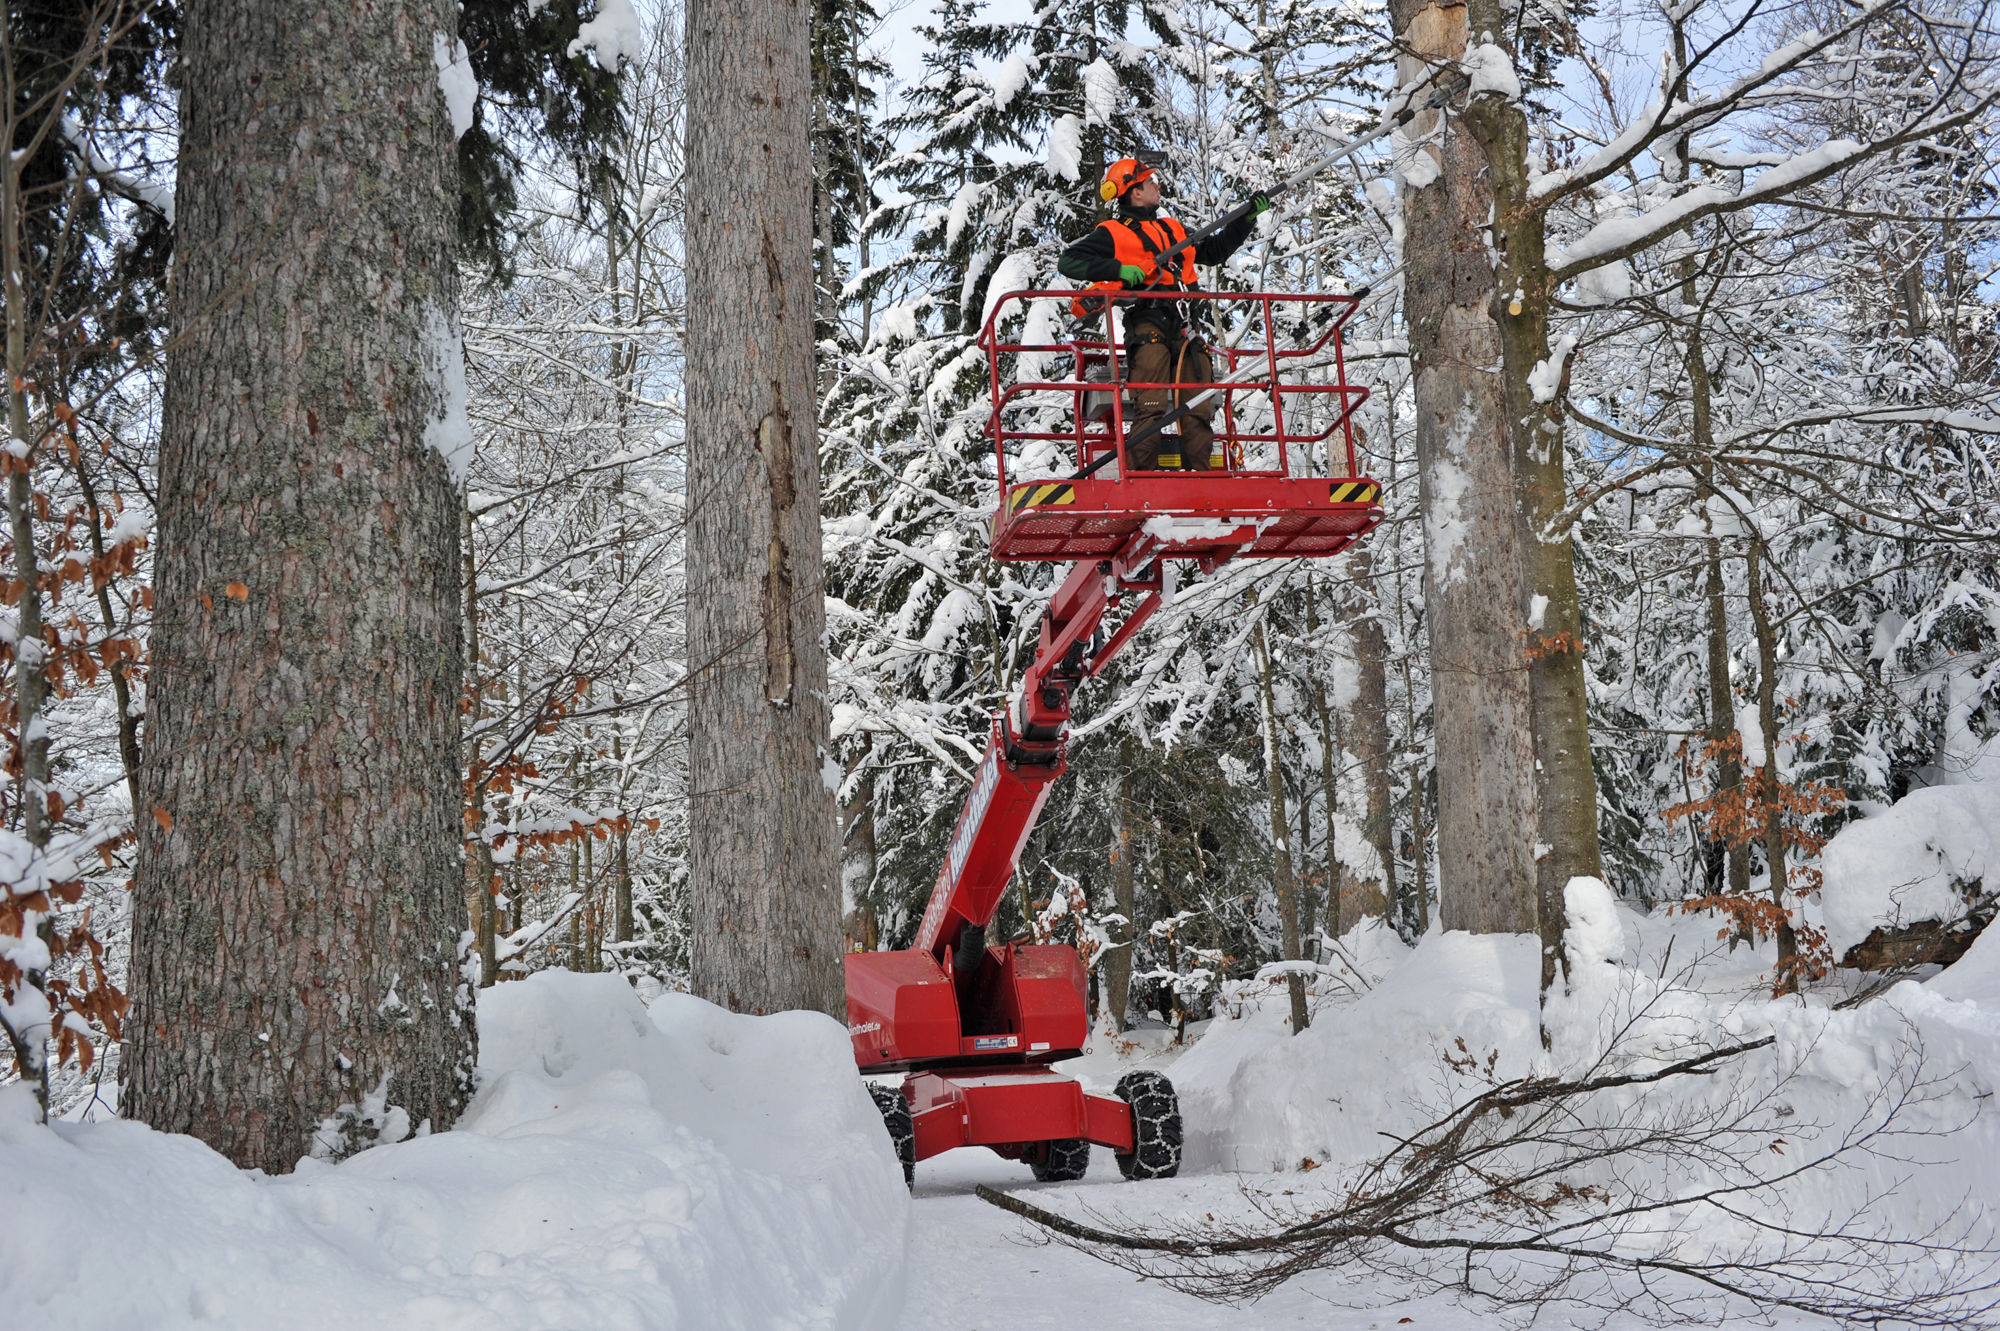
x=1776 y=422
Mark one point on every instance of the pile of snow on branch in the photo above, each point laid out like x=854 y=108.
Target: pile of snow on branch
x=1921 y=860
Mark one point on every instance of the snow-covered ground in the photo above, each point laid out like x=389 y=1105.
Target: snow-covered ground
x=1383 y=1053
x=682 y=1168
x=620 y=1168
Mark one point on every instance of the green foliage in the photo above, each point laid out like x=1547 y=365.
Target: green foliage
x=532 y=90
x=96 y=241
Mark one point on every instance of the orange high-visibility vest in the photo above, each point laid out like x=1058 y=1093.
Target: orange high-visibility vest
x=1141 y=243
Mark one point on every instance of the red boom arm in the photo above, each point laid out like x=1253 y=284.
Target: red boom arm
x=1025 y=754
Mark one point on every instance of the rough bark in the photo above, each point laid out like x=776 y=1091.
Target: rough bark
x=857 y=861
x=1566 y=784
x=1473 y=575
x=300 y=893
x=1925 y=943
x=763 y=853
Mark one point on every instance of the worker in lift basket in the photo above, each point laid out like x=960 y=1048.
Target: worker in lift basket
x=1162 y=348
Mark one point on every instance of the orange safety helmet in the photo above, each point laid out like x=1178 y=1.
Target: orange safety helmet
x=1122 y=175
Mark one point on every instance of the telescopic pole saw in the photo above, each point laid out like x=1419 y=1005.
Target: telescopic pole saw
x=1410 y=111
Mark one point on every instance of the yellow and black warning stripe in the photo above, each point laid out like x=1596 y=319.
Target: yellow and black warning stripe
x=1037 y=496
x=1354 y=492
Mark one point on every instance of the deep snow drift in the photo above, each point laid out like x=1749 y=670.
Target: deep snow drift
x=620 y=1168
x=1383 y=1054
x=683 y=1168
x=1911 y=862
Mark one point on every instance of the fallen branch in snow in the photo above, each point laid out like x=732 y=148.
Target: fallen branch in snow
x=1677 y=1191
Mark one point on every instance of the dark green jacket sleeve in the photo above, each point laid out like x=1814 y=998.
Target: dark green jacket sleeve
x=1218 y=247
x=1091 y=259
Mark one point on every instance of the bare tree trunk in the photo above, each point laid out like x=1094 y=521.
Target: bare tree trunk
x=624 y=889
x=1329 y=780
x=301 y=891
x=1565 y=781
x=1281 y=856
x=1364 y=731
x=592 y=962
x=763 y=853
x=1767 y=785
x=121 y=687
x=1117 y=968
x=1474 y=589
x=1421 y=860
x=28 y=1041
x=1721 y=697
x=857 y=854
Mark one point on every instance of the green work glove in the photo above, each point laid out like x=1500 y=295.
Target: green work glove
x=1132 y=274
x=1260 y=202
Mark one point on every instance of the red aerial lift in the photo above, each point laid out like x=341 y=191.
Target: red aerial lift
x=975 y=1027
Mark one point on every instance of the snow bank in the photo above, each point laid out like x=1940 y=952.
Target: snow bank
x=1909 y=863
x=1461 y=1014
x=1253 y=1097
x=683 y=1168
x=1975 y=977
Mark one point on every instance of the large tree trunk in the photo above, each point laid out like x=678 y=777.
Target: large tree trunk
x=300 y=893
x=763 y=852
x=1473 y=576
x=1566 y=783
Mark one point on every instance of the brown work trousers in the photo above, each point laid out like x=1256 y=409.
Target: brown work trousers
x=1160 y=359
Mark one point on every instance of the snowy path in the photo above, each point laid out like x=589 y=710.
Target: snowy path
x=972 y=1266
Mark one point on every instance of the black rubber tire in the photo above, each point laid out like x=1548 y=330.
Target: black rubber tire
x=1156 y=1126
x=902 y=1133
x=1063 y=1161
